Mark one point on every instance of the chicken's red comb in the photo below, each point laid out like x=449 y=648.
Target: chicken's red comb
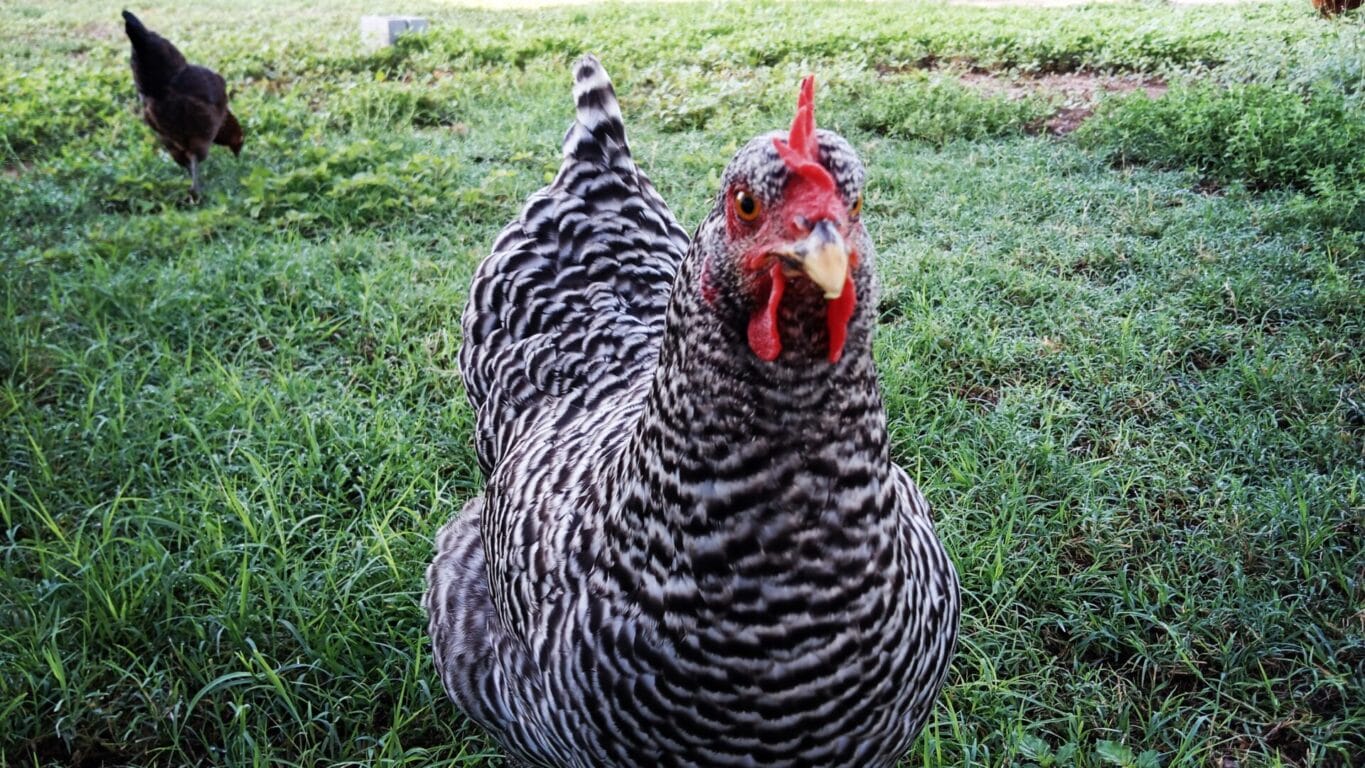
x=801 y=152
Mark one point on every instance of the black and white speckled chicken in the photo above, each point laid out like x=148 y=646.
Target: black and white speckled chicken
x=693 y=549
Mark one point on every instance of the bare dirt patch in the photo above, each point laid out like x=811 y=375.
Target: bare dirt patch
x=1065 y=3
x=99 y=30
x=1075 y=93
x=17 y=170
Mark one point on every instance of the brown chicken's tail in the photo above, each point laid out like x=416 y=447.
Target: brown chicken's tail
x=230 y=134
x=155 y=60
x=133 y=26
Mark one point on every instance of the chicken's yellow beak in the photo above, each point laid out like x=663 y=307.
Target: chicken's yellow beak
x=823 y=257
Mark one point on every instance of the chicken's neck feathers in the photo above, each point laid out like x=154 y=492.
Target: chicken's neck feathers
x=730 y=453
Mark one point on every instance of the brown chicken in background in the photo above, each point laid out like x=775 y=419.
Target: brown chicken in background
x=1334 y=7
x=187 y=105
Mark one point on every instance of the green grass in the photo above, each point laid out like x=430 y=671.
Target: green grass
x=228 y=431
x=1259 y=135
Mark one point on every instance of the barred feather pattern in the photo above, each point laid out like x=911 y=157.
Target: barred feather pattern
x=570 y=303
x=684 y=556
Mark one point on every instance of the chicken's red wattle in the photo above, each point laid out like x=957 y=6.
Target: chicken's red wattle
x=764 y=338
x=837 y=315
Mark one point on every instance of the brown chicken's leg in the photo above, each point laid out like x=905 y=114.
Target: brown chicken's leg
x=196 y=192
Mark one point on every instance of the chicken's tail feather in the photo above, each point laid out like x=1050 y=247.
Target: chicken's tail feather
x=133 y=26
x=567 y=312
x=155 y=59
x=598 y=129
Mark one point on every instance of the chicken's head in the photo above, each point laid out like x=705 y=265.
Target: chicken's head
x=784 y=248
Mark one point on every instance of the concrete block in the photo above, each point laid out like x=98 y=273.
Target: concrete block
x=381 y=31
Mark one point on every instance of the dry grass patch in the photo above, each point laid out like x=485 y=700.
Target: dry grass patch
x=1075 y=93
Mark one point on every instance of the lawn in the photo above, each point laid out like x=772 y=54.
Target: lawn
x=1127 y=364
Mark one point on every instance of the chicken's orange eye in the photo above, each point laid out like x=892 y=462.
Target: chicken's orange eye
x=747 y=207
x=857 y=209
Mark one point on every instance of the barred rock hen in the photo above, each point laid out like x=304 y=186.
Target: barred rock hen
x=693 y=549
x=186 y=105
